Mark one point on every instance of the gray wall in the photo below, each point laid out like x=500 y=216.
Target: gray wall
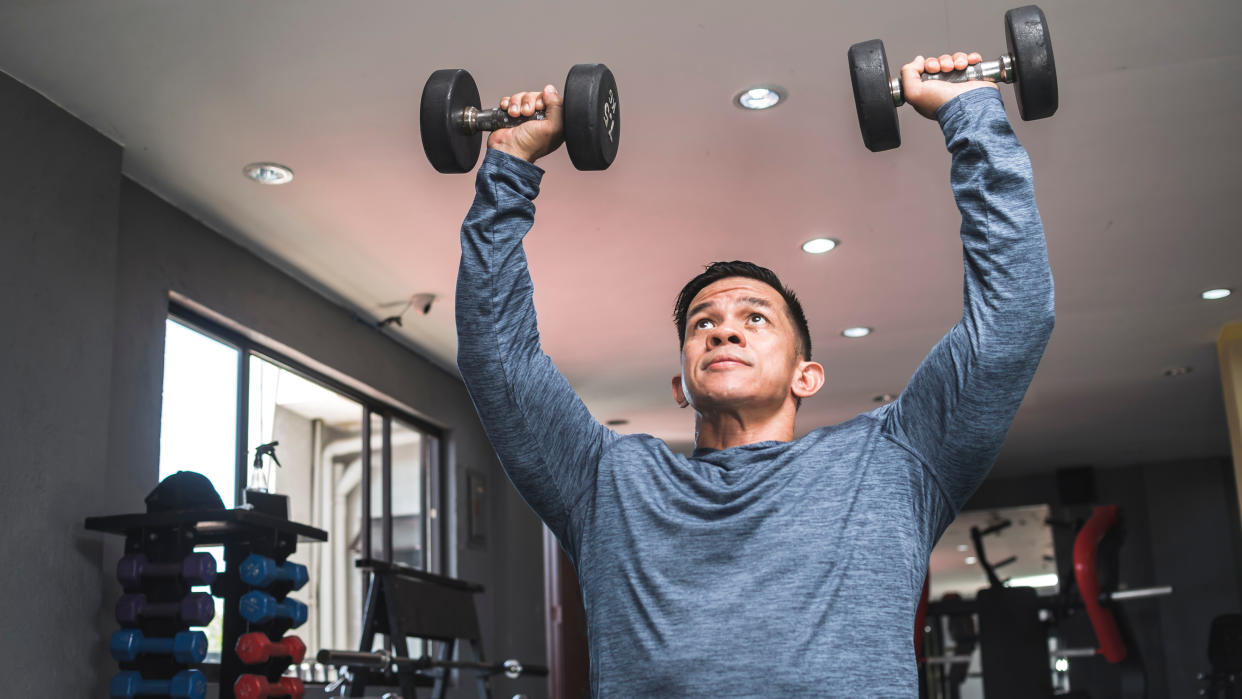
x=1181 y=529
x=88 y=260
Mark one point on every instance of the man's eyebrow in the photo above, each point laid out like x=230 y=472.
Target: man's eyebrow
x=749 y=300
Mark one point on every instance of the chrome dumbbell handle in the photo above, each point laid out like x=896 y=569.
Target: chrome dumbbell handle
x=474 y=120
x=998 y=71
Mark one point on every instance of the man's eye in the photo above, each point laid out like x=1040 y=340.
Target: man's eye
x=703 y=324
x=757 y=319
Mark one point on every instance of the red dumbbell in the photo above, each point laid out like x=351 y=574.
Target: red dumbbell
x=257 y=687
x=254 y=647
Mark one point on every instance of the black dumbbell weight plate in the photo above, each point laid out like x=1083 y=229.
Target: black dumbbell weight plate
x=877 y=115
x=449 y=148
x=592 y=116
x=1026 y=35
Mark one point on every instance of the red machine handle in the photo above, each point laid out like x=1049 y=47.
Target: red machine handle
x=1085 y=545
x=920 y=618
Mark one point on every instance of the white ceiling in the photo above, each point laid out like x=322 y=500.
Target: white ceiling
x=1136 y=176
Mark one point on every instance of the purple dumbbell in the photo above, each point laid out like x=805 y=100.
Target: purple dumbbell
x=196 y=569
x=195 y=609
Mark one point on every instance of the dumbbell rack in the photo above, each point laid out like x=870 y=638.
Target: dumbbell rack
x=171 y=536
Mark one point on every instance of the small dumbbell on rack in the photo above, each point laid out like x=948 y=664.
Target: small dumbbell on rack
x=261 y=571
x=257 y=687
x=187 y=684
x=195 y=569
x=187 y=647
x=258 y=607
x=195 y=609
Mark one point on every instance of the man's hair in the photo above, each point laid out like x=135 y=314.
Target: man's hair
x=737 y=268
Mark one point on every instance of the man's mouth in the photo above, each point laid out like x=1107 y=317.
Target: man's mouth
x=725 y=363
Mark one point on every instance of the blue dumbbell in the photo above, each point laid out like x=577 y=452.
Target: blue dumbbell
x=259 y=608
x=196 y=569
x=187 y=647
x=261 y=571
x=187 y=684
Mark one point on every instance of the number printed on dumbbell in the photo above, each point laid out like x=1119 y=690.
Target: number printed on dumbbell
x=451 y=118
x=261 y=571
x=195 y=609
x=187 y=684
x=187 y=647
x=195 y=569
x=259 y=607
x=1029 y=65
x=257 y=687
x=255 y=647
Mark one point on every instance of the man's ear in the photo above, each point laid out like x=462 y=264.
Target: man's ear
x=679 y=394
x=808 y=379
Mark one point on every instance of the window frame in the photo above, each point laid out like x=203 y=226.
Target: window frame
x=435 y=535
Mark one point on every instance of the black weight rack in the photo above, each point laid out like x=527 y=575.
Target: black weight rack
x=171 y=536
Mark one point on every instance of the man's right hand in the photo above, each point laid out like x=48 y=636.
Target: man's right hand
x=533 y=139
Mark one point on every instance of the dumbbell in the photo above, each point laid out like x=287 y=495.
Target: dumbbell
x=261 y=571
x=195 y=609
x=254 y=647
x=196 y=569
x=187 y=647
x=259 y=608
x=1029 y=65
x=187 y=684
x=257 y=687
x=452 y=121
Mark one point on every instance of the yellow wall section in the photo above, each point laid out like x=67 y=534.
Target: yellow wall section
x=1229 y=348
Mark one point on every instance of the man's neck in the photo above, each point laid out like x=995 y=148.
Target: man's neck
x=718 y=430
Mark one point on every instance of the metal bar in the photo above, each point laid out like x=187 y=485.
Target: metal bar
x=386 y=488
x=366 y=481
x=243 y=425
x=1139 y=593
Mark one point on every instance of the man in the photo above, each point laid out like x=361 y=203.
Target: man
x=760 y=565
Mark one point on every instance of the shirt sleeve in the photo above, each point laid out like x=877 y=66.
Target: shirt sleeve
x=546 y=439
x=956 y=410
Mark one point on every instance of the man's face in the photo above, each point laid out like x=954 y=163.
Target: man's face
x=740 y=348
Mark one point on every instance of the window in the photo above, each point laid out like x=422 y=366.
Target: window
x=379 y=502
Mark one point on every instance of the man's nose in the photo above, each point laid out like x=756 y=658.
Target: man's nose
x=722 y=335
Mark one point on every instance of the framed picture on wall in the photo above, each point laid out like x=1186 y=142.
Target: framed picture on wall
x=476 y=520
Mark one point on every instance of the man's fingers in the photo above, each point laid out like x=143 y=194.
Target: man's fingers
x=974 y=58
x=959 y=61
x=911 y=70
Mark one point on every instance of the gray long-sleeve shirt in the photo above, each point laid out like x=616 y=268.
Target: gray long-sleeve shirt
x=776 y=568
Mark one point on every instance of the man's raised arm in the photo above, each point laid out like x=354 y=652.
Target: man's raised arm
x=956 y=410
x=547 y=441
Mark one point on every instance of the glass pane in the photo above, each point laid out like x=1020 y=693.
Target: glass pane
x=198 y=424
x=408 y=496
x=318 y=435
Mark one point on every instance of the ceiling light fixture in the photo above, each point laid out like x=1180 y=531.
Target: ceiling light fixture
x=268 y=173
x=856 y=332
x=1178 y=371
x=760 y=97
x=819 y=246
x=885 y=398
x=1215 y=294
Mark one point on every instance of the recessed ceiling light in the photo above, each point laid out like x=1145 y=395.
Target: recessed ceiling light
x=1178 y=371
x=963 y=547
x=819 y=246
x=885 y=398
x=268 y=173
x=1215 y=294
x=856 y=332
x=970 y=560
x=760 y=97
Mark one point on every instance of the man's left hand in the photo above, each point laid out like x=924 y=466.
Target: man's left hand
x=926 y=96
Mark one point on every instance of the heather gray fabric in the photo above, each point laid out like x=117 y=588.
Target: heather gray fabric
x=778 y=568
